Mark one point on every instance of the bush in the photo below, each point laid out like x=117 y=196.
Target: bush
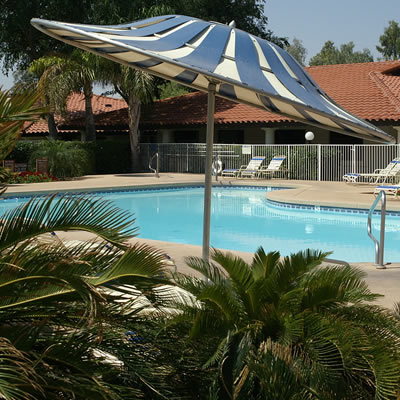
x=66 y=159
x=23 y=150
x=109 y=156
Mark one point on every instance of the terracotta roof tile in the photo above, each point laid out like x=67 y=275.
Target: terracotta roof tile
x=76 y=109
x=191 y=109
x=360 y=88
x=368 y=90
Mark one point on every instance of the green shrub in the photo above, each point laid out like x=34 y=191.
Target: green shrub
x=109 y=156
x=66 y=159
x=23 y=150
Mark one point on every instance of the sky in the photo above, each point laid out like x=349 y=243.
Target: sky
x=316 y=21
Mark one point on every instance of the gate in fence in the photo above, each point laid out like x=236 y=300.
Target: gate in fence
x=322 y=162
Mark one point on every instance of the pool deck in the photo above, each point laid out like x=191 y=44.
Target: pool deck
x=332 y=194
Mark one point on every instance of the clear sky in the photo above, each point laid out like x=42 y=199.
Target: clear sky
x=316 y=21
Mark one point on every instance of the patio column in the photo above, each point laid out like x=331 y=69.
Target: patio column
x=397 y=128
x=269 y=135
x=167 y=136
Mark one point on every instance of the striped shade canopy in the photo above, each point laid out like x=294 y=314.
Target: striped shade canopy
x=193 y=52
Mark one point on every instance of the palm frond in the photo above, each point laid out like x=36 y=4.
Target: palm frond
x=17 y=106
x=17 y=374
x=80 y=212
x=263 y=264
x=209 y=270
x=331 y=285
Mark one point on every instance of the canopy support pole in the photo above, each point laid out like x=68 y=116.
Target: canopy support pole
x=208 y=170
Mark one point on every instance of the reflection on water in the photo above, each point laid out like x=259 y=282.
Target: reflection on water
x=244 y=220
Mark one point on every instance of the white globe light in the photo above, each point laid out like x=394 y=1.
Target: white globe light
x=309 y=135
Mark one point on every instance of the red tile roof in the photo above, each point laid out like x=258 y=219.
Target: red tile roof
x=76 y=109
x=191 y=109
x=368 y=90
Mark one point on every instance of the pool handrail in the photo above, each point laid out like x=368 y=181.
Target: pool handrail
x=379 y=246
x=157 y=169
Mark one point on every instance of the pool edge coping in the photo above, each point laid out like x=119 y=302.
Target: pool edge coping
x=222 y=182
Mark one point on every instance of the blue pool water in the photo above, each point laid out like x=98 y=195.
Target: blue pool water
x=242 y=219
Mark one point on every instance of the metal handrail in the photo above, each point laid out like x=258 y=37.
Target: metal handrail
x=157 y=169
x=379 y=246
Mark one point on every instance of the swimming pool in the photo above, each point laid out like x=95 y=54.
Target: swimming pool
x=243 y=219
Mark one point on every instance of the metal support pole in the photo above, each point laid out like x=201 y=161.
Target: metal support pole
x=158 y=165
x=215 y=166
x=319 y=162
x=379 y=246
x=208 y=171
x=382 y=235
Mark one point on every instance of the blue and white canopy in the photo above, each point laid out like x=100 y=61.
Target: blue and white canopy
x=193 y=52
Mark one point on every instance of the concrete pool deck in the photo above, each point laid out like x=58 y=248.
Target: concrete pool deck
x=333 y=194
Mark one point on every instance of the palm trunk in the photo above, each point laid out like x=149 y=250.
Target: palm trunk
x=90 y=130
x=51 y=123
x=134 y=133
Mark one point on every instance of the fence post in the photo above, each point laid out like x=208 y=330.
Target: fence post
x=187 y=157
x=353 y=166
x=288 y=162
x=319 y=162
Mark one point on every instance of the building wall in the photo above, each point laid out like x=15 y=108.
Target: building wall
x=268 y=135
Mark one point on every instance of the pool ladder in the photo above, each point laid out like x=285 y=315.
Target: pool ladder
x=379 y=246
x=157 y=169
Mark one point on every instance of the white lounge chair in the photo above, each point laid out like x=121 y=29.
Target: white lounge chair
x=251 y=169
x=387 y=174
x=392 y=190
x=274 y=166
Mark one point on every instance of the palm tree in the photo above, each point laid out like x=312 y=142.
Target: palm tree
x=136 y=88
x=290 y=328
x=42 y=71
x=17 y=105
x=65 y=310
x=59 y=76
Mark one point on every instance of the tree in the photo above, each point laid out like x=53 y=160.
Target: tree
x=330 y=54
x=17 y=106
x=171 y=89
x=249 y=15
x=20 y=43
x=289 y=328
x=297 y=51
x=57 y=300
x=65 y=310
x=390 y=42
x=135 y=87
x=59 y=76
x=42 y=71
